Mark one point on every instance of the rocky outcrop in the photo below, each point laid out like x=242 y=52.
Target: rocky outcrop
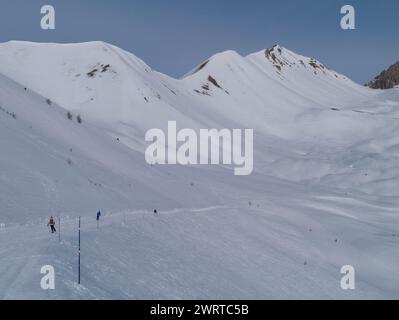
x=388 y=79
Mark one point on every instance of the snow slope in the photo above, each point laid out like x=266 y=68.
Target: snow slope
x=323 y=193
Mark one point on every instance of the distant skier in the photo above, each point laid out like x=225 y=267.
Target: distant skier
x=51 y=224
x=98 y=219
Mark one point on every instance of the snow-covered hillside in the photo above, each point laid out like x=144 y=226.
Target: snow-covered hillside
x=323 y=193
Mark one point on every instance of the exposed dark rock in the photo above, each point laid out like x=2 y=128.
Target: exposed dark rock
x=214 y=82
x=388 y=79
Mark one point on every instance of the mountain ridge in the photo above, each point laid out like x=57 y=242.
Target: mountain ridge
x=107 y=84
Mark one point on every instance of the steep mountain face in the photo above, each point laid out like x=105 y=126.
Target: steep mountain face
x=324 y=187
x=388 y=79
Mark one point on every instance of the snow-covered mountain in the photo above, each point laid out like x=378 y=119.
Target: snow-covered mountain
x=323 y=193
x=111 y=86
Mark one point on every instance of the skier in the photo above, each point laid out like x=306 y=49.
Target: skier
x=51 y=224
x=98 y=219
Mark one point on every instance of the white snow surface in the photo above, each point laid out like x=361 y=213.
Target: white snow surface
x=323 y=194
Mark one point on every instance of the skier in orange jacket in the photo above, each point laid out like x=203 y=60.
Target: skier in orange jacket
x=51 y=224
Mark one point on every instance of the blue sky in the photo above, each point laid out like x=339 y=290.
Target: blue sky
x=173 y=36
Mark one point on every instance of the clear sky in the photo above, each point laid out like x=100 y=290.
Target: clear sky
x=173 y=36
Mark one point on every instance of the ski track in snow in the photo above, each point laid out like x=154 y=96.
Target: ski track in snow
x=120 y=228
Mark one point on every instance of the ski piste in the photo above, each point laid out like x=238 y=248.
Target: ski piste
x=323 y=193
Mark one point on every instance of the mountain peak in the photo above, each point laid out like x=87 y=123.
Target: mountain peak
x=224 y=56
x=387 y=79
x=282 y=60
x=281 y=57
